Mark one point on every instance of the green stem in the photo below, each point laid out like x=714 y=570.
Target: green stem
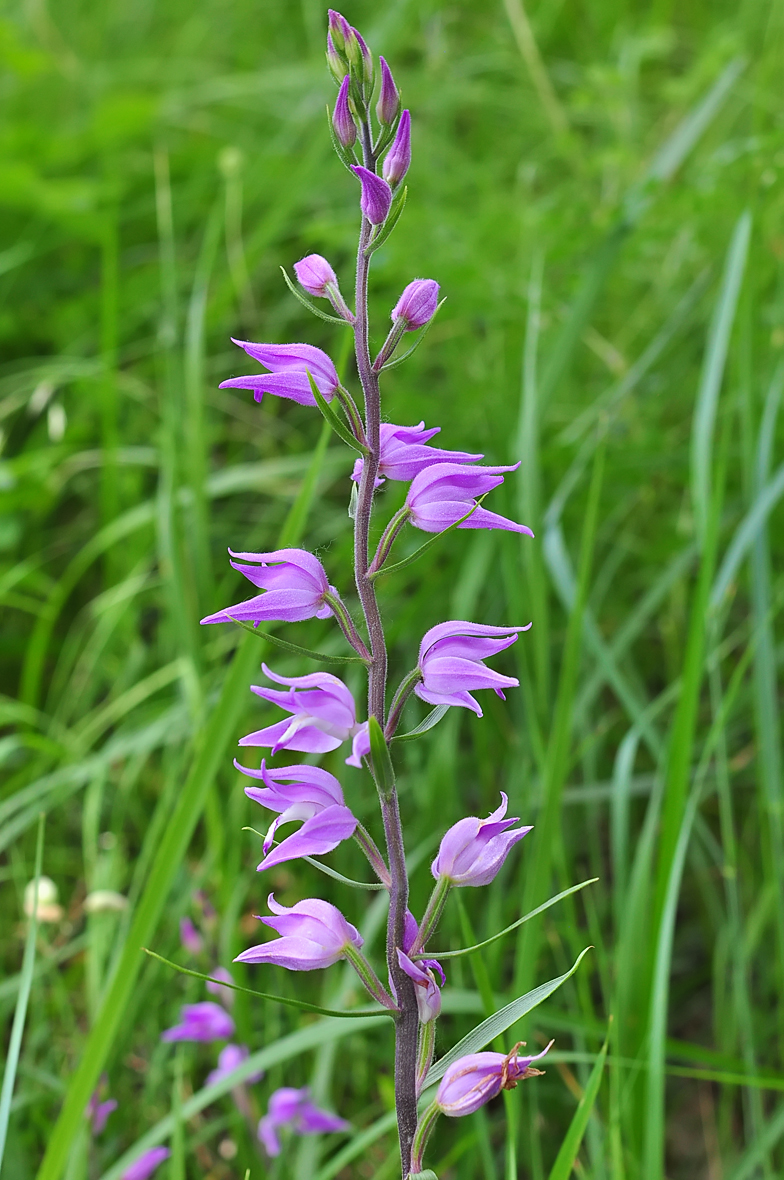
x=435 y=908
x=421 y=1135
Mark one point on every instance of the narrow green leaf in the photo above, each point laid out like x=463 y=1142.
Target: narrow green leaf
x=332 y=418
x=323 y=315
x=713 y=372
x=379 y=753
x=20 y=1011
x=289 y=1001
x=395 y=209
x=303 y=1041
x=567 y=1153
x=295 y=648
x=216 y=736
x=469 y=950
x=432 y=719
x=499 y=1022
x=401 y=565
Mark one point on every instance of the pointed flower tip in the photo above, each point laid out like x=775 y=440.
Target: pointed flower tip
x=398 y=158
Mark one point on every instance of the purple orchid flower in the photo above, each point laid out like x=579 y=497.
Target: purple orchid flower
x=295 y=583
x=314 y=934
x=289 y=365
x=190 y=938
x=403 y=453
x=310 y=794
x=473 y=850
x=98 y=1112
x=450 y=660
x=323 y=716
x=145 y=1165
x=376 y=195
x=315 y=275
x=474 y=1080
x=427 y=991
x=398 y=158
x=442 y=494
x=293 y=1109
x=342 y=120
x=224 y=994
x=229 y=1058
x=201 y=1022
x=417 y=305
x=388 y=103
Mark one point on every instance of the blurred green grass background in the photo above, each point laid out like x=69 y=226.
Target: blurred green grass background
x=598 y=189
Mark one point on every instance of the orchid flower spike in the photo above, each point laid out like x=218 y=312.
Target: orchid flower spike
x=293 y=1109
x=295 y=583
x=201 y=1022
x=473 y=850
x=451 y=659
x=301 y=793
x=472 y=1081
x=442 y=494
x=376 y=195
x=289 y=365
x=323 y=716
x=229 y=1059
x=403 y=453
x=145 y=1165
x=314 y=934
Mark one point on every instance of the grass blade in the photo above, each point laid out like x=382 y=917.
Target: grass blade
x=499 y=1022
x=173 y=846
x=20 y=1011
x=567 y=1153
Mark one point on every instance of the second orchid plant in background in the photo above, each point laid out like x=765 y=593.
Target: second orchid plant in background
x=372 y=137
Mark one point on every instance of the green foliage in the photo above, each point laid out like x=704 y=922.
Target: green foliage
x=598 y=191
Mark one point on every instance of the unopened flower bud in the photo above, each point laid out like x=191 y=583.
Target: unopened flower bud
x=342 y=120
x=376 y=195
x=398 y=158
x=388 y=103
x=417 y=305
x=336 y=63
x=362 y=56
x=339 y=30
x=315 y=274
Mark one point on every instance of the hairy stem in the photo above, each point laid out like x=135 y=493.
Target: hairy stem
x=407 y=1021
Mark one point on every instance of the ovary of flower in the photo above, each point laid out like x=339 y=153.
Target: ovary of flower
x=403 y=453
x=451 y=663
x=313 y=934
x=295 y=583
x=323 y=716
x=474 y=1080
x=289 y=365
x=473 y=850
x=293 y=1109
x=301 y=793
x=442 y=494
